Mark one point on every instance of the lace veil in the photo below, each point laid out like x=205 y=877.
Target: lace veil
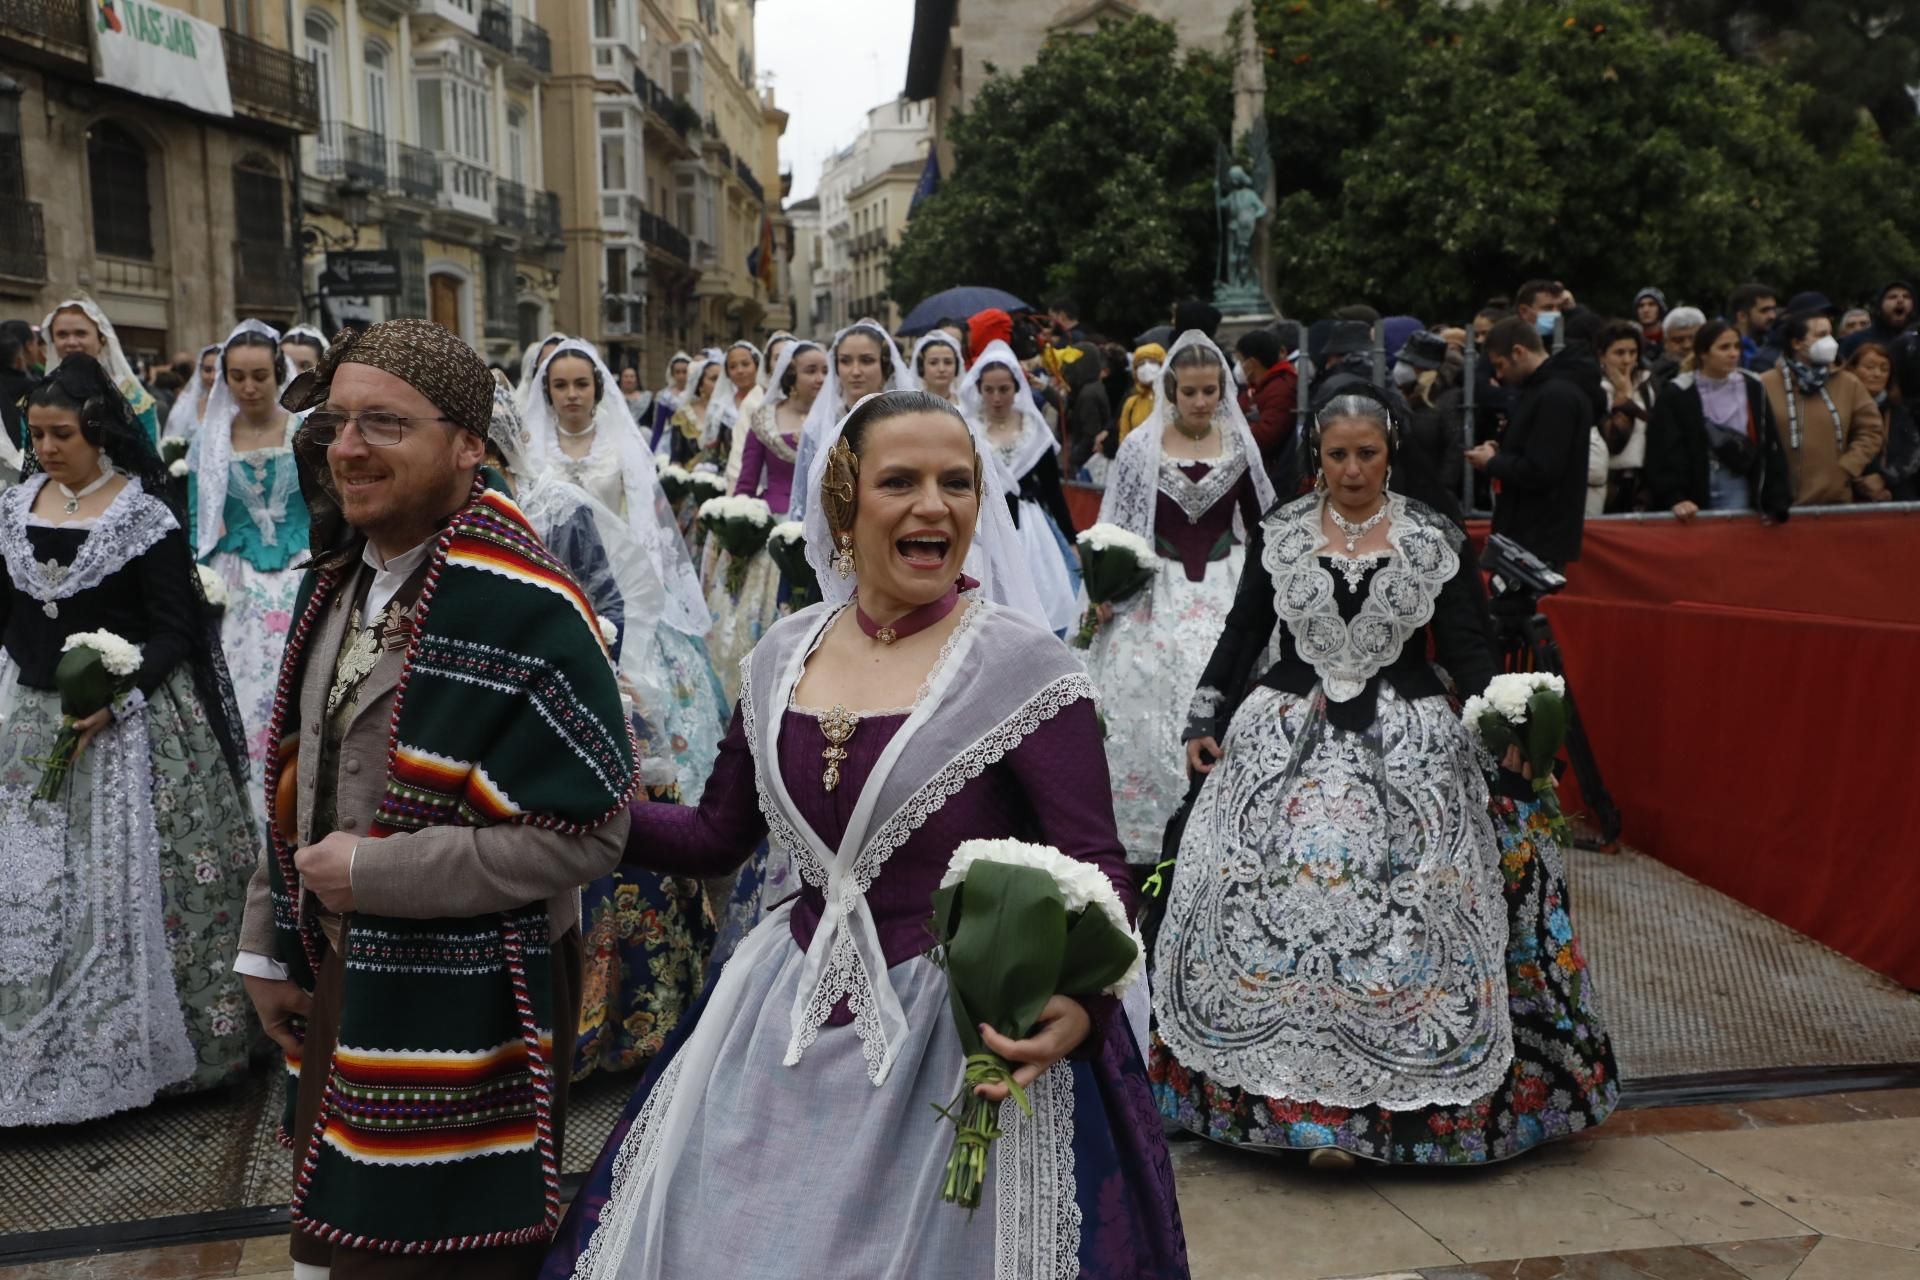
x=1133 y=482
x=939 y=338
x=211 y=452
x=830 y=407
x=995 y=559
x=1036 y=438
x=112 y=358
x=617 y=442
x=529 y=359
x=722 y=413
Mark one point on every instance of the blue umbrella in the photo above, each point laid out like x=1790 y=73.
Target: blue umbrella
x=960 y=302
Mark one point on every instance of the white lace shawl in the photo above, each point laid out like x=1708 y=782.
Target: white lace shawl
x=130 y=526
x=830 y=406
x=1035 y=438
x=941 y=338
x=996 y=559
x=617 y=442
x=1400 y=598
x=1135 y=478
x=998 y=678
x=724 y=413
x=210 y=455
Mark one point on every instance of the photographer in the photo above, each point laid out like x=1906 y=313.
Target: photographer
x=1712 y=444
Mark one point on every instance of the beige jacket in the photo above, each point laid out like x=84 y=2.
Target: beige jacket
x=438 y=871
x=1822 y=473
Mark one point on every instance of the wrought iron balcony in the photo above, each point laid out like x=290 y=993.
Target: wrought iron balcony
x=660 y=233
x=266 y=276
x=745 y=174
x=546 y=215
x=510 y=204
x=23 y=239
x=59 y=26
x=496 y=26
x=343 y=151
x=415 y=173
x=266 y=82
x=532 y=46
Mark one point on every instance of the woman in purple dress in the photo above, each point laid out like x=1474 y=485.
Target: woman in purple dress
x=1189 y=481
x=787 y=1131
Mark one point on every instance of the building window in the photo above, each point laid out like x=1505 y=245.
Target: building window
x=320 y=53
x=259 y=202
x=617 y=270
x=606 y=20
x=376 y=58
x=407 y=242
x=122 y=208
x=517 y=144
x=240 y=17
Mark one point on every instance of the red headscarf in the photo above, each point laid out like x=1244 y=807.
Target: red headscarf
x=984 y=326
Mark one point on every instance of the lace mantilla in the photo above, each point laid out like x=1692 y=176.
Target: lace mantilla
x=1400 y=599
x=1338 y=930
x=1036 y=1211
x=130 y=526
x=766 y=426
x=1197 y=497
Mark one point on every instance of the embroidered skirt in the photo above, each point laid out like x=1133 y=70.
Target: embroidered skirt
x=253 y=636
x=120 y=912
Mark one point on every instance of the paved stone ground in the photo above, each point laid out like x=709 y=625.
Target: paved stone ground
x=1821 y=1188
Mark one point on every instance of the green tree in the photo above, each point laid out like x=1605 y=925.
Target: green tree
x=1429 y=156
x=1088 y=173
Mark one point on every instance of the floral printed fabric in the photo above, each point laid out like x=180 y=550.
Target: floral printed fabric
x=645 y=942
x=1562 y=1079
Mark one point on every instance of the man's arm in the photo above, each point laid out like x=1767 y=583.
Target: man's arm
x=471 y=871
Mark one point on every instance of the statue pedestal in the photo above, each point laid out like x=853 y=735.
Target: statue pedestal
x=1231 y=327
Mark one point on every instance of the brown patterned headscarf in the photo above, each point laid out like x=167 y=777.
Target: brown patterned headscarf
x=432 y=360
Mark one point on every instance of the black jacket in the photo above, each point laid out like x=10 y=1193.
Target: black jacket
x=1042 y=484
x=1677 y=450
x=1542 y=462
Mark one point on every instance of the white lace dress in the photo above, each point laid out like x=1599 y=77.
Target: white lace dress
x=1147 y=661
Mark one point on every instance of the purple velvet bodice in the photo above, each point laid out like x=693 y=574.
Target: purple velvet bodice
x=1051 y=789
x=765 y=474
x=1193 y=542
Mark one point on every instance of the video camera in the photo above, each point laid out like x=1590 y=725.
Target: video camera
x=1515 y=572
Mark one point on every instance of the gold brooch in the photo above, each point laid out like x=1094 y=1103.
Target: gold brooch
x=836 y=726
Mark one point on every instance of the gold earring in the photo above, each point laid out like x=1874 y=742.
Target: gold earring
x=843 y=558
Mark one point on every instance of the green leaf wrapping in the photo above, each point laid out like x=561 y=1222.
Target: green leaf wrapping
x=1111 y=574
x=84 y=682
x=1546 y=730
x=790 y=554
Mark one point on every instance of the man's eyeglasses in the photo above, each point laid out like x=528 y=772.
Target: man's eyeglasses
x=376 y=427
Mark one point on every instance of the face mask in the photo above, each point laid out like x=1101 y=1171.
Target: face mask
x=1546 y=322
x=1823 y=351
x=1404 y=374
x=1149 y=372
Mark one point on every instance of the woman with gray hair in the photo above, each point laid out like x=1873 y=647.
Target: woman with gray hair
x=1358 y=958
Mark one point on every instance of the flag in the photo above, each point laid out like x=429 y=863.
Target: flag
x=929 y=180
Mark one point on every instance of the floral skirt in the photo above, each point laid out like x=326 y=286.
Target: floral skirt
x=695 y=717
x=253 y=636
x=120 y=912
x=1562 y=1079
x=1146 y=664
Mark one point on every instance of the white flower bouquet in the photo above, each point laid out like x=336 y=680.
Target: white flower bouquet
x=174 y=449
x=676 y=482
x=787 y=544
x=1527 y=710
x=742 y=525
x=1115 y=564
x=177 y=468
x=95 y=668
x=705 y=484
x=213 y=587
x=1015 y=925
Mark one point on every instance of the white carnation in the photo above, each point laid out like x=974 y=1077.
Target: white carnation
x=1081 y=885
x=609 y=630
x=1106 y=537
x=120 y=657
x=708 y=481
x=177 y=468
x=212 y=586
x=675 y=471
x=1508 y=693
x=788 y=531
x=737 y=507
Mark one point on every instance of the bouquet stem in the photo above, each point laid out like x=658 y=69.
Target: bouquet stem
x=59 y=765
x=1090 y=623
x=975 y=1129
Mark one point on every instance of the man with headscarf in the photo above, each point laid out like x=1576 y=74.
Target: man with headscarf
x=453 y=763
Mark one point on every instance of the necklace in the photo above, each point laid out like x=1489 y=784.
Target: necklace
x=73 y=498
x=913 y=622
x=1355 y=532
x=587 y=430
x=1201 y=434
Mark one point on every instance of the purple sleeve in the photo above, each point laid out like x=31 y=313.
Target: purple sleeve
x=1062 y=766
x=753 y=460
x=713 y=839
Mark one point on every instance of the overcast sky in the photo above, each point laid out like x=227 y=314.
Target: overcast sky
x=831 y=60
